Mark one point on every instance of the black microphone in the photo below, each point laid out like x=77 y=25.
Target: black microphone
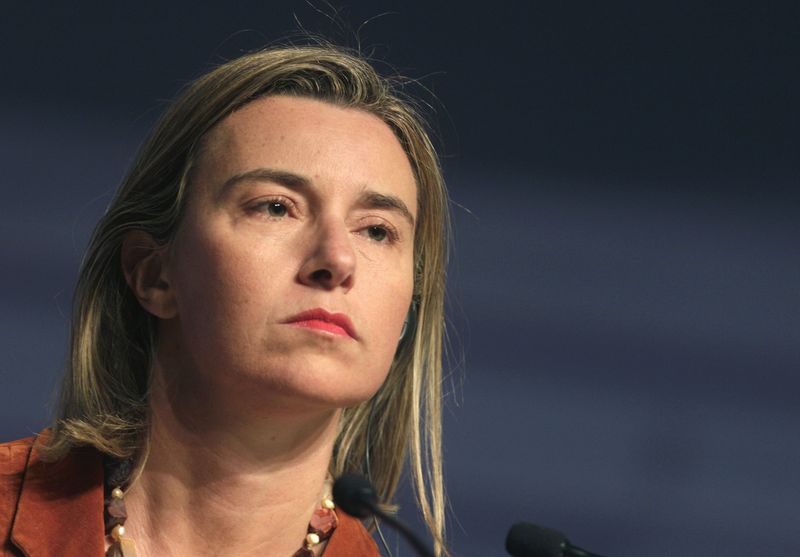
x=528 y=540
x=356 y=496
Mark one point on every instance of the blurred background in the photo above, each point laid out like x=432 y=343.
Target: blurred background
x=624 y=307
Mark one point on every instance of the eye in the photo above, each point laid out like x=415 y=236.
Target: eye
x=377 y=233
x=276 y=209
x=272 y=207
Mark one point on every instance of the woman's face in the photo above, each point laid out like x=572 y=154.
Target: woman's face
x=292 y=270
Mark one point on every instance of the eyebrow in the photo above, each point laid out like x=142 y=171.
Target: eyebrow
x=369 y=199
x=288 y=179
x=373 y=200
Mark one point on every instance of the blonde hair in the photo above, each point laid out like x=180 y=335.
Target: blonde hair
x=104 y=396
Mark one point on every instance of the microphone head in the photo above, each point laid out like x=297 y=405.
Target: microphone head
x=355 y=495
x=528 y=540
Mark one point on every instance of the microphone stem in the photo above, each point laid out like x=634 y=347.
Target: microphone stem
x=410 y=537
x=574 y=551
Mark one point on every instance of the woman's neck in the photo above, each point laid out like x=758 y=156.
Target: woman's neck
x=217 y=481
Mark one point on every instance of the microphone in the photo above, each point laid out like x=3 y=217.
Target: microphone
x=356 y=496
x=528 y=540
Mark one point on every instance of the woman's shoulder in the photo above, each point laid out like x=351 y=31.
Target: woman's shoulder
x=14 y=455
x=14 y=458
x=61 y=497
x=22 y=462
x=18 y=455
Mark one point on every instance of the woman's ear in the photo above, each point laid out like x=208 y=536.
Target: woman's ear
x=144 y=264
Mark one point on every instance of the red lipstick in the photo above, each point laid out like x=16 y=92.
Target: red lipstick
x=321 y=320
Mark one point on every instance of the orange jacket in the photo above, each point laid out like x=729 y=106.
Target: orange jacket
x=56 y=509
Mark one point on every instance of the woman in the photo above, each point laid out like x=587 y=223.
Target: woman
x=260 y=310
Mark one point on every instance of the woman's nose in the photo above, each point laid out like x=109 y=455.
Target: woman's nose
x=331 y=260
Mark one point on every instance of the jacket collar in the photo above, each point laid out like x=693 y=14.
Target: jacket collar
x=60 y=506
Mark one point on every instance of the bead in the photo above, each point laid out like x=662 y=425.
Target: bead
x=323 y=523
x=116 y=507
x=117 y=532
x=312 y=539
x=328 y=504
x=123 y=548
x=115 y=513
x=128 y=547
x=117 y=493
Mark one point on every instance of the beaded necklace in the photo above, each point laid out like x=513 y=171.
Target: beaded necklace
x=117 y=474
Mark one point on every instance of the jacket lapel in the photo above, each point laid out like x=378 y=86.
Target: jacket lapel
x=60 y=507
x=350 y=539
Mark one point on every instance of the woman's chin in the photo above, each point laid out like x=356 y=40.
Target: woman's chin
x=300 y=391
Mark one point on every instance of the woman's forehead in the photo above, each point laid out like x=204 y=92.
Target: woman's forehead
x=311 y=138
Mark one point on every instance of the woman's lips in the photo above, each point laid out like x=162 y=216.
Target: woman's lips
x=322 y=320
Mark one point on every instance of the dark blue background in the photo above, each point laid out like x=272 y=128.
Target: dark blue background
x=624 y=304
